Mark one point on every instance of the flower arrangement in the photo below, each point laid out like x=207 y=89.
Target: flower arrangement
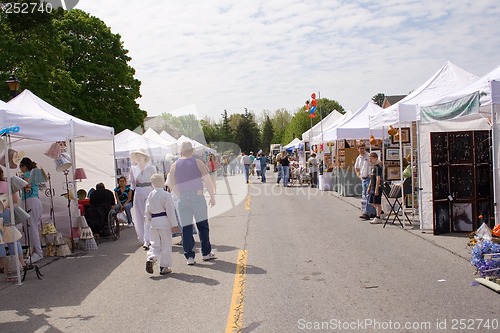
x=486 y=267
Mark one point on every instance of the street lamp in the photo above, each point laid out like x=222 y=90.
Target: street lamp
x=14 y=84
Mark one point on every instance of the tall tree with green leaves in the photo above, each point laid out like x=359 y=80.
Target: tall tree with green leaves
x=247 y=133
x=267 y=134
x=74 y=62
x=98 y=62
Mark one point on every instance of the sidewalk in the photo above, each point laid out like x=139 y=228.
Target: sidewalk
x=455 y=243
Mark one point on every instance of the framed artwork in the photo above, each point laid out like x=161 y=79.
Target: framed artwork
x=441 y=218
x=407 y=151
x=393 y=173
x=405 y=136
x=392 y=154
x=462 y=217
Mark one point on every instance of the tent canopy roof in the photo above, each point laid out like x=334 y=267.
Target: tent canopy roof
x=33 y=106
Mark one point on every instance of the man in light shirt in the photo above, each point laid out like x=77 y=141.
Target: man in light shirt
x=362 y=168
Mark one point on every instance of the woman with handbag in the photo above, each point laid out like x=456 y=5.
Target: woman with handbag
x=123 y=195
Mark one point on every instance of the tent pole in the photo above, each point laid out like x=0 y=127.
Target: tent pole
x=419 y=177
x=494 y=138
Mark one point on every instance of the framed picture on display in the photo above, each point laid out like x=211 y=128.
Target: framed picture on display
x=405 y=136
x=393 y=173
x=392 y=154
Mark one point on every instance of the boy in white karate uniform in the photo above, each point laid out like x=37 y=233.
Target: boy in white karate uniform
x=160 y=215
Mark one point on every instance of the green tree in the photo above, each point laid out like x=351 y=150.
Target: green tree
x=98 y=62
x=378 y=99
x=267 y=134
x=74 y=62
x=247 y=132
x=280 y=121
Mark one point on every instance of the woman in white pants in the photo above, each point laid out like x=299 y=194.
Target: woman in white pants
x=33 y=205
x=140 y=182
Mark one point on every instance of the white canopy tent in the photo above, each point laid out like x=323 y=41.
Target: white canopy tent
x=293 y=144
x=447 y=79
x=89 y=145
x=128 y=141
x=320 y=137
x=355 y=126
x=169 y=146
x=320 y=127
x=488 y=118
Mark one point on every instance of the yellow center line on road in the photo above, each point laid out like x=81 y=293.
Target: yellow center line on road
x=247 y=203
x=235 y=317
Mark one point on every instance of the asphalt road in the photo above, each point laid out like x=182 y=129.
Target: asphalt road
x=305 y=263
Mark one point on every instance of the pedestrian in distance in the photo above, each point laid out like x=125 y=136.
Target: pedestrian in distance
x=375 y=187
x=140 y=181
x=362 y=168
x=245 y=160
x=312 y=163
x=123 y=195
x=160 y=217
x=187 y=177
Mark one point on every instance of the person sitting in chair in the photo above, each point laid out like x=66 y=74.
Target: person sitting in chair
x=101 y=202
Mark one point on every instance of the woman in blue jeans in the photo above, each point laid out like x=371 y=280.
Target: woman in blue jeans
x=123 y=195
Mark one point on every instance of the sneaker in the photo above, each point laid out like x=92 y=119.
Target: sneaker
x=190 y=261
x=209 y=256
x=145 y=246
x=364 y=217
x=376 y=220
x=149 y=266
x=165 y=270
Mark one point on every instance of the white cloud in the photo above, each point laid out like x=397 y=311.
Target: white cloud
x=272 y=54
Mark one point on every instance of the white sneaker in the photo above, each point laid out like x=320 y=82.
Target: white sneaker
x=35 y=257
x=191 y=261
x=376 y=220
x=209 y=256
x=165 y=270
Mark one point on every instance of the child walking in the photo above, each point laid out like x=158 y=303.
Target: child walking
x=160 y=215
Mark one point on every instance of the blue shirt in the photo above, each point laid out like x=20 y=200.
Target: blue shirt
x=33 y=191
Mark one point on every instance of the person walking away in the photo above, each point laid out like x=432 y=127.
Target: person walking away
x=187 y=177
x=160 y=217
x=263 y=166
x=312 y=162
x=375 y=187
x=33 y=206
x=123 y=195
x=140 y=183
x=285 y=164
x=362 y=168
x=213 y=166
x=279 y=168
x=256 y=166
x=252 y=166
x=245 y=160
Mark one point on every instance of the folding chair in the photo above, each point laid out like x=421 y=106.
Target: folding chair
x=392 y=193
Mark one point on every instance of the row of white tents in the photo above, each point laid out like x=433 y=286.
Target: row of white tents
x=90 y=146
x=433 y=106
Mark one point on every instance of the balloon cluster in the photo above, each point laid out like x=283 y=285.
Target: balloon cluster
x=311 y=106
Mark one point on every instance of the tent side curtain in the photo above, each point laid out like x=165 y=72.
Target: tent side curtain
x=461 y=107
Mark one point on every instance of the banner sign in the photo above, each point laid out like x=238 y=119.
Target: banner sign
x=458 y=108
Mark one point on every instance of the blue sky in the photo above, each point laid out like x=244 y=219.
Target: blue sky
x=207 y=56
